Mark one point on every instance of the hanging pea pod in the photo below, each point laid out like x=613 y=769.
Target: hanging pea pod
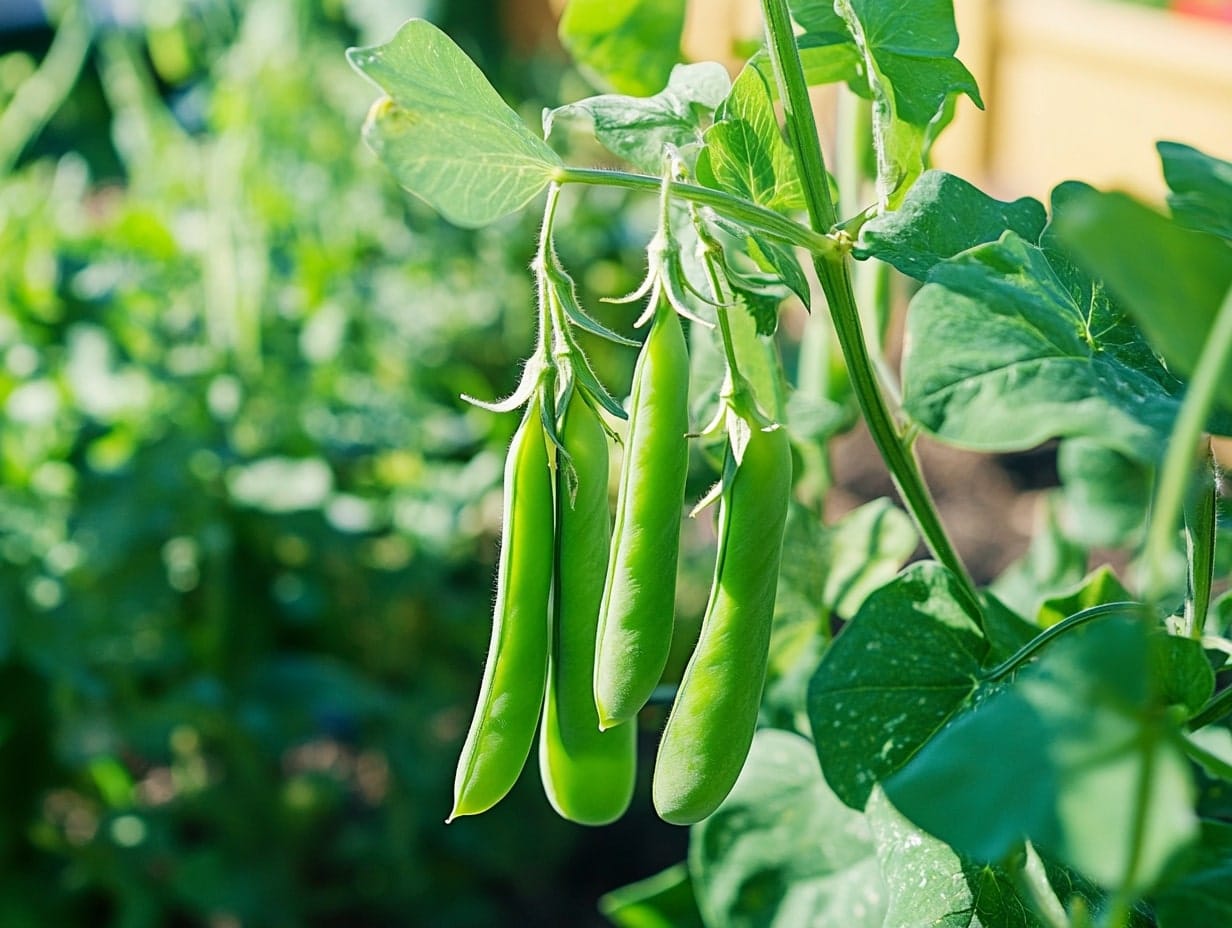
x=711 y=725
x=638 y=608
x=588 y=774
x=514 y=680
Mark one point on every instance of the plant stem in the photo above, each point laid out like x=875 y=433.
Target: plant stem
x=773 y=224
x=40 y=95
x=721 y=296
x=1219 y=706
x=1178 y=460
x=1028 y=650
x=835 y=280
x=1200 y=544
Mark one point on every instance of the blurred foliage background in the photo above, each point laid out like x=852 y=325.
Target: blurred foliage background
x=247 y=528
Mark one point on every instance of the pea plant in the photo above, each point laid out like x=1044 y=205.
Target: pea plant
x=854 y=741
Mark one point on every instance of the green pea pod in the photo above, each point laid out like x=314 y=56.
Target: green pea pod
x=588 y=774
x=712 y=722
x=639 y=595
x=515 y=677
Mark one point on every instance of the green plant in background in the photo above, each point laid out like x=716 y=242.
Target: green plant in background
x=245 y=521
x=1051 y=749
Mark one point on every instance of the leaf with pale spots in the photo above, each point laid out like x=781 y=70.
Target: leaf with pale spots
x=782 y=851
x=907 y=662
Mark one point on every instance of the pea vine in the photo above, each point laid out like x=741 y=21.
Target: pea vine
x=1046 y=747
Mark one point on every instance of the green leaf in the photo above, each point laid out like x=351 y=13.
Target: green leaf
x=1098 y=587
x=924 y=878
x=1069 y=754
x=775 y=261
x=1182 y=674
x=638 y=128
x=762 y=306
x=928 y=884
x=1001 y=355
x=941 y=216
x=446 y=135
x=1173 y=280
x=1104 y=494
x=911 y=70
x=745 y=152
x=829 y=58
x=782 y=261
x=1051 y=565
x=1204 y=895
x=665 y=900
x=1005 y=629
x=782 y=851
x=904 y=665
x=629 y=46
x=818 y=16
x=1201 y=197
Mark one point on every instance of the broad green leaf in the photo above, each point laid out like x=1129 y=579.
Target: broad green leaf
x=1070 y=752
x=941 y=216
x=782 y=851
x=1096 y=588
x=930 y=885
x=818 y=16
x=1001 y=356
x=745 y=151
x=906 y=663
x=1104 y=494
x=1201 y=197
x=1173 y=280
x=665 y=900
x=1051 y=565
x=924 y=878
x=445 y=133
x=629 y=46
x=638 y=128
x=909 y=63
x=1005 y=629
x=1182 y=674
x=1204 y=895
x=829 y=58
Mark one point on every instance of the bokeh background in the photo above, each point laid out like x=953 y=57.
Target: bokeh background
x=247 y=527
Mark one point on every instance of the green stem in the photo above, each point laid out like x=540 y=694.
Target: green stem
x=40 y=95
x=835 y=279
x=1121 y=906
x=766 y=220
x=710 y=248
x=1178 y=460
x=798 y=113
x=1028 y=650
x=546 y=300
x=1219 y=706
x=1200 y=528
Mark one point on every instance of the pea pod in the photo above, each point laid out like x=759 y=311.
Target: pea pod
x=514 y=680
x=638 y=609
x=588 y=774
x=711 y=725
